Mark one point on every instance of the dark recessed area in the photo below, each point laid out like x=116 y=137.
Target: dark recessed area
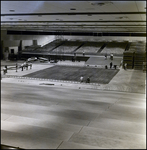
x=12 y=10
x=72 y=9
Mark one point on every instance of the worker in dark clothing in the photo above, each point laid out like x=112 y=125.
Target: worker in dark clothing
x=6 y=69
x=22 y=65
x=16 y=67
x=88 y=80
x=83 y=53
x=111 y=65
x=106 y=56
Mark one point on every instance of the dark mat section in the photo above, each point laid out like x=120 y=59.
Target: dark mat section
x=73 y=73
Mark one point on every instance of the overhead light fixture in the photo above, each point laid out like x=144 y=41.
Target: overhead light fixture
x=11 y=10
x=72 y=9
x=122 y=17
x=101 y=3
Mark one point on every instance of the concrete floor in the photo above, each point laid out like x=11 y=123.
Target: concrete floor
x=47 y=114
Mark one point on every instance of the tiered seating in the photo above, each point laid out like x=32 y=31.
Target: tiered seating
x=128 y=57
x=41 y=49
x=114 y=47
x=90 y=47
x=139 y=49
x=139 y=60
x=50 y=46
x=30 y=48
x=136 y=55
x=137 y=46
x=68 y=47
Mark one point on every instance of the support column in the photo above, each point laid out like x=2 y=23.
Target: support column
x=35 y=42
x=19 y=50
x=2 y=50
x=20 y=46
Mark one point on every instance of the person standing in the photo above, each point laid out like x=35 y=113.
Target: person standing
x=121 y=63
x=88 y=80
x=106 y=67
x=111 y=56
x=4 y=70
x=21 y=67
x=16 y=67
x=106 y=56
x=125 y=66
x=111 y=65
x=83 y=53
x=81 y=79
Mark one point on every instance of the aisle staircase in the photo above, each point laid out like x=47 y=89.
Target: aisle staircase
x=139 y=59
x=128 y=57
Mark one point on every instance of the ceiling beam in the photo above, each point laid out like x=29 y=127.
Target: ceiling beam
x=75 y=13
x=70 y=25
x=107 y=21
x=77 y=33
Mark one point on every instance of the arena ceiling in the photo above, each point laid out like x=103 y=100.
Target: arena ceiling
x=74 y=16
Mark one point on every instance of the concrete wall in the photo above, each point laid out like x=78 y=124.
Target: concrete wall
x=26 y=43
x=104 y=38
x=14 y=48
x=27 y=40
x=41 y=39
x=8 y=43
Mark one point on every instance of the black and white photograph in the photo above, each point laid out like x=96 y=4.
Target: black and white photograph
x=73 y=74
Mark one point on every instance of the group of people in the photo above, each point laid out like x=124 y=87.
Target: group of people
x=114 y=66
x=82 y=79
x=22 y=66
x=111 y=56
x=26 y=65
x=111 y=64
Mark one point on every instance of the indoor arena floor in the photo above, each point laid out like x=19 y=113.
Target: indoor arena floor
x=52 y=114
